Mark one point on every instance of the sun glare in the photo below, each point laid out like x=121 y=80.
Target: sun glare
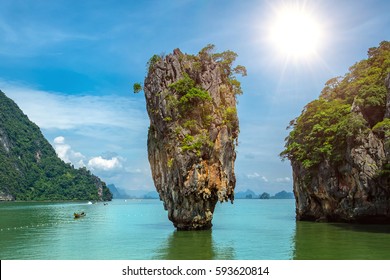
x=295 y=33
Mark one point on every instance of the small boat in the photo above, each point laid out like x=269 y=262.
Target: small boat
x=79 y=215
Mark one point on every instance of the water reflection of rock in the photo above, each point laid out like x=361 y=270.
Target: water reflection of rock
x=193 y=245
x=324 y=241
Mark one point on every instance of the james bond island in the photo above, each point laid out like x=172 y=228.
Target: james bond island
x=339 y=146
x=191 y=102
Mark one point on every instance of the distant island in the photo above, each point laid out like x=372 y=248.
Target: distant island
x=119 y=193
x=249 y=194
x=279 y=195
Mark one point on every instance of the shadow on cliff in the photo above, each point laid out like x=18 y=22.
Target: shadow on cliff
x=192 y=245
x=325 y=241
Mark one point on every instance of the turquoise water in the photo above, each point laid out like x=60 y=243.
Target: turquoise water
x=139 y=229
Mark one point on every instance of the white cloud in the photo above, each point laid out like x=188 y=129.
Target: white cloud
x=67 y=154
x=101 y=163
x=133 y=171
x=254 y=175
x=59 y=140
x=283 y=180
x=51 y=110
x=98 y=163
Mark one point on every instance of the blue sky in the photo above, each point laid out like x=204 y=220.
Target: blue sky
x=70 y=66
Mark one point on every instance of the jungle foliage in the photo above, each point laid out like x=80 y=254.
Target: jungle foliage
x=327 y=125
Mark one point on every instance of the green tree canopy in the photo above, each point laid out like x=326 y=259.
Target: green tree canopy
x=327 y=125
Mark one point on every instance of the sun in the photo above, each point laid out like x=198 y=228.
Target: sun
x=295 y=32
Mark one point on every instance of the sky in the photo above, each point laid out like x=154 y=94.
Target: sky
x=70 y=66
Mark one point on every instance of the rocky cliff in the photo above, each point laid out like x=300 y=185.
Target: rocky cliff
x=350 y=192
x=30 y=168
x=339 y=147
x=191 y=102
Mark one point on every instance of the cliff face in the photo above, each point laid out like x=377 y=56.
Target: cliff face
x=30 y=168
x=191 y=140
x=339 y=147
x=357 y=190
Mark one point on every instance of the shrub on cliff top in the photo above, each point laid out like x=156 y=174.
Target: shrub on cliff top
x=327 y=125
x=225 y=62
x=364 y=84
x=321 y=132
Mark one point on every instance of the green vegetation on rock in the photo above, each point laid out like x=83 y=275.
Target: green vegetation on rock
x=322 y=131
x=190 y=96
x=349 y=107
x=137 y=87
x=153 y=60
x=191 y=107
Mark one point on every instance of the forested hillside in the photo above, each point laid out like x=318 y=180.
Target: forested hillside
x=30 y=168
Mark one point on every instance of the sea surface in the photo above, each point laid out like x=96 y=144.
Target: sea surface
x=140 y=230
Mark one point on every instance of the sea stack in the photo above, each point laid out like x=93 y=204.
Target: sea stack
x=191 y=102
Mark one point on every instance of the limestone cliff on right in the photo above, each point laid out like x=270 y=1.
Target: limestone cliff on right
x=339 y=147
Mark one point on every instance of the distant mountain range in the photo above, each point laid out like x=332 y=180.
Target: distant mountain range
x=249 y=194
x=130 y=194
x=141 y=194
x=283 y=195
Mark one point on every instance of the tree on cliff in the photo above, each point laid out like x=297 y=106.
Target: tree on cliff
x=137 y=87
